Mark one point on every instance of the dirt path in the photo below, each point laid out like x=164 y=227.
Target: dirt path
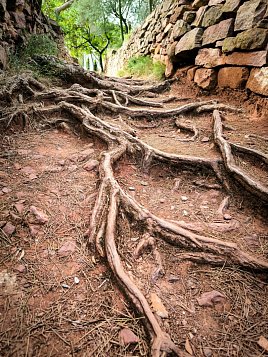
x=58 y=297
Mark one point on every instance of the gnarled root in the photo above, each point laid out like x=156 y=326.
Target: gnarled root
x=251 y=185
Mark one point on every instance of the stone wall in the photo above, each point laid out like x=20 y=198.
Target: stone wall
x=224 y=40
x=18 y=19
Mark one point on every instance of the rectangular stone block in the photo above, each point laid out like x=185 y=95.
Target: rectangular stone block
x=258 y=81
x=190 y=41
x=209 y=58
x=218 y=32
x=233 y=77
x=252 y=39
x=254 y=59
x=249 y=14
x=199 y=16
x=230 y=6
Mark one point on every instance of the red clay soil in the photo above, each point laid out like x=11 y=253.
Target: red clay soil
x=57 y=296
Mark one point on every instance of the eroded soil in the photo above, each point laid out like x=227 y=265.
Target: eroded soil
x=57 y=297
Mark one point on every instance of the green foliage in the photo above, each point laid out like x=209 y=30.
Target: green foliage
x=143 y=67
x=40 y=45
x=36 y=45
x=88 y=24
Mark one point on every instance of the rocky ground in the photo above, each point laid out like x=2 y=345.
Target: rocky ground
x=61 y=296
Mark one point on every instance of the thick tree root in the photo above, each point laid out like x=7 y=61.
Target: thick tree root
x=251 y=185
x=187 y=127
x=79 y=104
x=245 y=150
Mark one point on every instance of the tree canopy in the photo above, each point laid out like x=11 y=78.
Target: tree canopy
x=91 y=27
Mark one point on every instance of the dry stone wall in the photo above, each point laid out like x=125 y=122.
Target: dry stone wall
x=18 y=19
x=224 y=40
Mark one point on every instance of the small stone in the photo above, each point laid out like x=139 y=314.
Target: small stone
x=126 y=337
x=90 y=165
x=210 y=298
x=19 y=207
x=9 y=229
x=144 y=183
x=263 y=342
x=227 y=217
x=67 y=248
x=40 y=216
x=62 y=162
x=185 y=213
x=17 y=166
x=184 y=198
x=132 y=188
x=191 y=73
x=2 y=223
x=20 y=268
x=35 y=229
x=205 y=139
x=207 y=352
x=76 y=280
x=162 y=200
x=65 y=286
x=32 y=177
x=72 y=168
x=28 y=170
x=6 y=190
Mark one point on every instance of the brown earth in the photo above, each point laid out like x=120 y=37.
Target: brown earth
x=58 y=297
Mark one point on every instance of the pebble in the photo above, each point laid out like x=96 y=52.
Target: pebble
x=205 y=139
x=65 y=286
x=131 y=188
x=20 y=268
x=6 y=190
x=185 y=213
x=126 y=337
x=227 y=217
x=184 y=198
x=9 y=229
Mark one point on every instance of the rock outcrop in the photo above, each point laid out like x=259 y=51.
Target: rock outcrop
x=18 y=19
x=227 y=39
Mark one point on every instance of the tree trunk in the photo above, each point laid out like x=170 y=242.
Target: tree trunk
x=121 y=20
x=151 y=5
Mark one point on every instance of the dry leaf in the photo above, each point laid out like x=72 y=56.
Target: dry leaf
x=188 y=347
x=158 y=306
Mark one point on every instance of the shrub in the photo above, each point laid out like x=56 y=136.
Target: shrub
x=36 y=45
x=143 y=67
x=40 y=45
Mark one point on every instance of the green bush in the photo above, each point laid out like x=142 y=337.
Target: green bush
x=36 y=45
x=40 y=45
x=143 y=67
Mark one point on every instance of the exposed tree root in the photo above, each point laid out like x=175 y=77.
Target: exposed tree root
x=80 y=105
x=149 y=242
x=251 y=185
x=256 y=153
x=187 y=127
x=215 y=106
